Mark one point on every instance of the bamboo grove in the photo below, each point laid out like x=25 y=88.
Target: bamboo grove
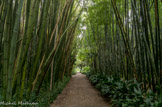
x=124 y=38
x=36 y=44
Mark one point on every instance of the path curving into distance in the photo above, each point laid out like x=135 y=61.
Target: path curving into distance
x=80 y=93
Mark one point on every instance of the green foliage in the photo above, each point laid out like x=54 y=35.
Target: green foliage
x=99 y=9
x=123 y=93
x=74 y=72
x=38 y=46
x=0 y=95
x=159 y=102
x=85 y=69
x=46 y=97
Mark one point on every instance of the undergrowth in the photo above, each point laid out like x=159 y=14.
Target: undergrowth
x=124 y=93
x=85 y=70
x=45 y=97
x=74 y=72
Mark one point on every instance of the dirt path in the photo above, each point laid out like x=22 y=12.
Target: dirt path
x=79 y=93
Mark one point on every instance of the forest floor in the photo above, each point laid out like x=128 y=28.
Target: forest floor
x=80 y=93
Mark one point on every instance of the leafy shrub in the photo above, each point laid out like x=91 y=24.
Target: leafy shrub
x=88 y=74
x=74 y=72
x=46 y=97
x=159 y=102
x=85 y=70
x=124 y=93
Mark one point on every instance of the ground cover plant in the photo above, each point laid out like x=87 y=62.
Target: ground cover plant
x=124 y=93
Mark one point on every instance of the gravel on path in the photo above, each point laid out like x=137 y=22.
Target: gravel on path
x=80 y=93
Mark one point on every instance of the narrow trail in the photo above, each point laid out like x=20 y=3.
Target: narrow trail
x=80 y=93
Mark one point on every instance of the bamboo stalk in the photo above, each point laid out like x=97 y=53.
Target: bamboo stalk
x=13 y=50
x=7 y=32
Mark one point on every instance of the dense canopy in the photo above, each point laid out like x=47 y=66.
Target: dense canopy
x=43 y=41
